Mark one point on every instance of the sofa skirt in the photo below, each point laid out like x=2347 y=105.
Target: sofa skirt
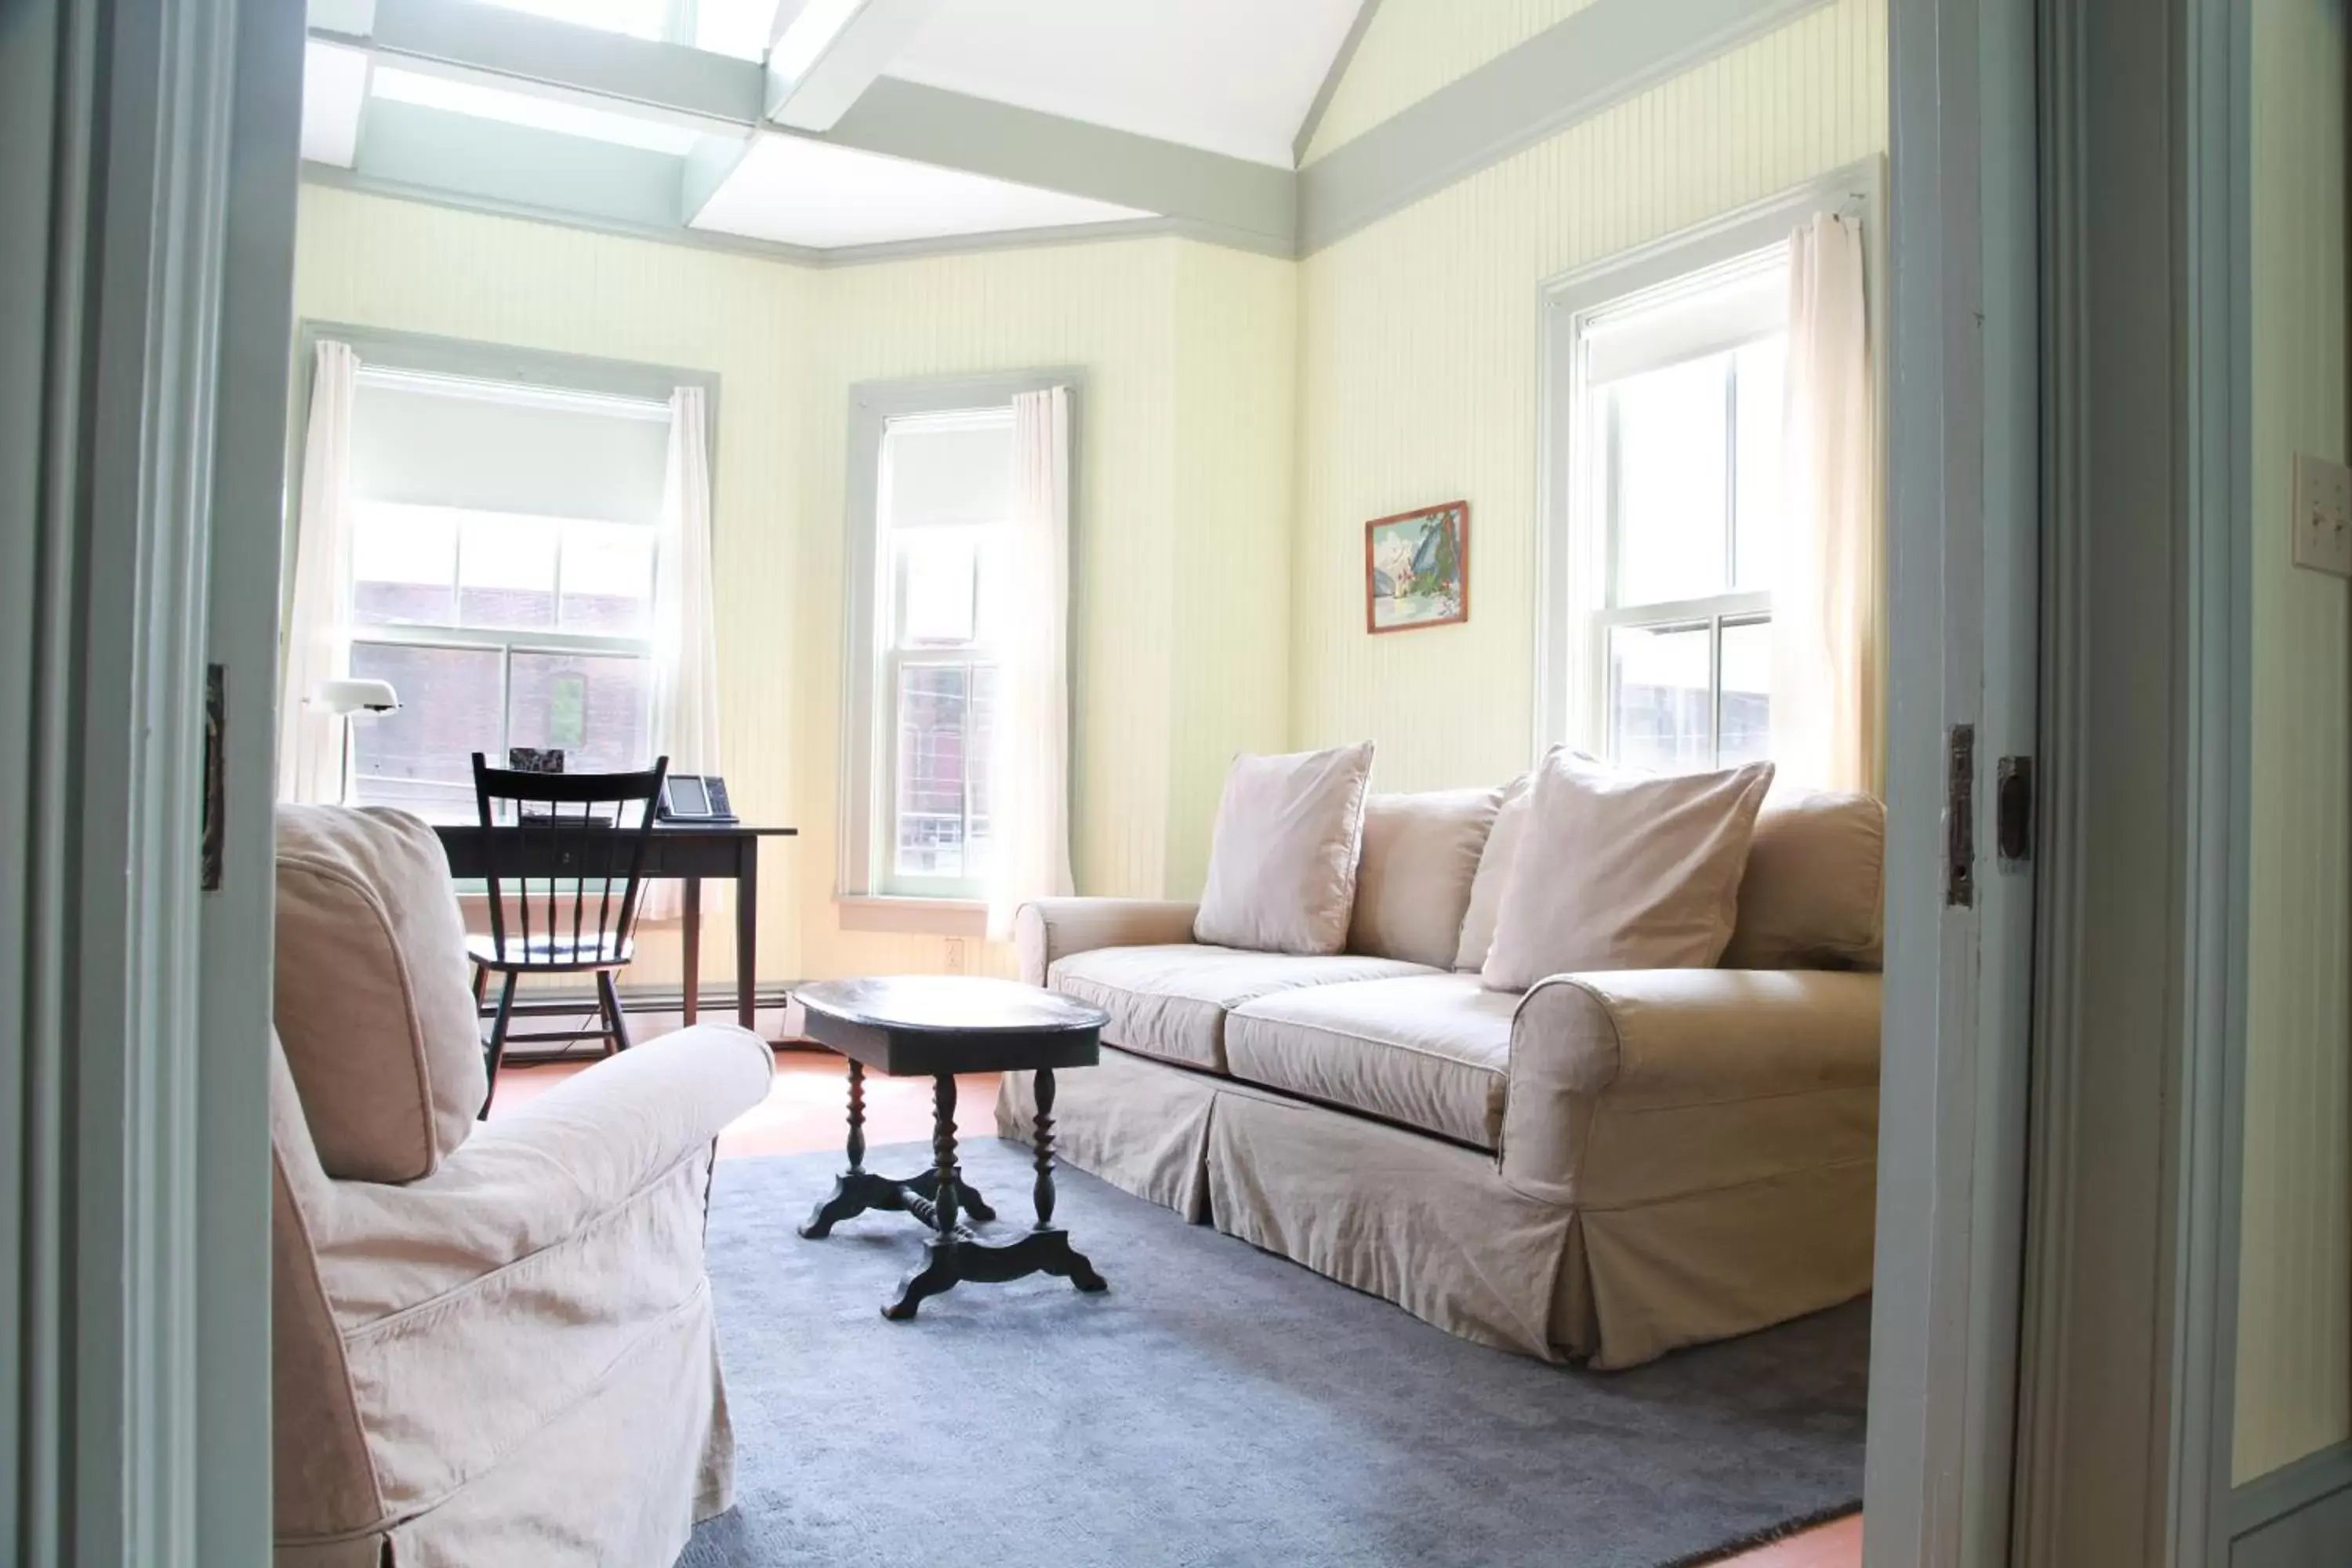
x=1432 y=1226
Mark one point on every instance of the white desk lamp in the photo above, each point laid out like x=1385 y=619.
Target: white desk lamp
x=354 y=698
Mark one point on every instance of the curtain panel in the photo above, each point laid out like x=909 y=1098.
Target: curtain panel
x=1030 y=811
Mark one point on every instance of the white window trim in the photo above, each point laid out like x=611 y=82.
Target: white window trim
x=455 y=364
x=861 y=887
x=1574 y=595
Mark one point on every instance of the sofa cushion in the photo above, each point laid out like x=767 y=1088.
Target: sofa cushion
x=373 y=1003
x=1431 y=1051
x=1494 y=867
x=1282 y=863
x=1412 y=881
x=1624 y=870
x=1815 y=885
x=1171 y=1002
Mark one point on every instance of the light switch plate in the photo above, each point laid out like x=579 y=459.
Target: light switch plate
x=2323 y=515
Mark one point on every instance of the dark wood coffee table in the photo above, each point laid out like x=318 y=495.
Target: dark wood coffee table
x=941 y=1025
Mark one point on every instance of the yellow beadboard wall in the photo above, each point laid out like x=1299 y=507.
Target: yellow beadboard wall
x=1420 y=344
x=1229 y=567
x=2294 y=1272
x=1179 y=640
x=408 y=267
x=1154 y=322
x=1416 y=47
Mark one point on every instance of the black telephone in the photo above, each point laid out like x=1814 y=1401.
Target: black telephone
x=695 y=797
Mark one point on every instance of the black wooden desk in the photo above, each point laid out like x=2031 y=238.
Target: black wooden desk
x=729 y=852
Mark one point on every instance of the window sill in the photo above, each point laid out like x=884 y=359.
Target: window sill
x=912 y=917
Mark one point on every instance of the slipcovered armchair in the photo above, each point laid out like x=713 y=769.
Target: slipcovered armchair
x=494 y=1342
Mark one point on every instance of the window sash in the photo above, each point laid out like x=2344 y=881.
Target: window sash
x=1714 y=616
x=506 y=645
x=887 y=879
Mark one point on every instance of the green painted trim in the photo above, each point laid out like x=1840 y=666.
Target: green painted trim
x=2290 y=1489
x=527 y=47
x=1331 y=79
x=1254 y=204
x=1600 y=56
x=766 y=250
x=409 y=145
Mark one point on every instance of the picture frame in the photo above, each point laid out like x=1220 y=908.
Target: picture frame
x=1417 y=569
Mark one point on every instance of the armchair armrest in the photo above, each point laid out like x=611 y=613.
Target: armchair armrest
x=535 y=1177
x=1656 y=1039
x=1052 y=928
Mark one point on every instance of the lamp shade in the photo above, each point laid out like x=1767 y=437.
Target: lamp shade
x=354 y=695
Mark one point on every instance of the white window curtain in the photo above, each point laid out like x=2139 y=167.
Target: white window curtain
x=1030 y=808
x=1826 y=696
x=686 y=625
x=318 y=634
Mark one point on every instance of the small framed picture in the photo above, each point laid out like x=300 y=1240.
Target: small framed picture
x=1417 y=568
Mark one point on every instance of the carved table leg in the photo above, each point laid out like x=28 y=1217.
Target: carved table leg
x=942 y=1252
x=856 y=1192
x=953 y=1256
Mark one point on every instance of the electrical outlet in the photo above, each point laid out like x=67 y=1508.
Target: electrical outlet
x=955 y=955
x=2323 y=515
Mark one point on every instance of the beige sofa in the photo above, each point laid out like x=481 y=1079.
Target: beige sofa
x=494 y=1340
x=1606 y=1167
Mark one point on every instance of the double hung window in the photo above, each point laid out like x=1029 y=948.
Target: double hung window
x=503 y=553
x=942 y=507
x=1680 y=400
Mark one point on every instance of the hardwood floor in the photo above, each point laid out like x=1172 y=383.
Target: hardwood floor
x=804 y=1110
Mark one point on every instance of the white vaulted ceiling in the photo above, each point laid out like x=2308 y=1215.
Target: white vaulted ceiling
x=987 y=117
x=799 y=191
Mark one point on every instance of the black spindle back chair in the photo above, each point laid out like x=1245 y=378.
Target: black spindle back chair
x=571 y=847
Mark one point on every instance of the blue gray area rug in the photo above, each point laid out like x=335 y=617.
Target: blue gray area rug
x=1218 y=1406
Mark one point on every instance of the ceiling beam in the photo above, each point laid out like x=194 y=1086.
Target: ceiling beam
x=1341 y=61
x=1252 y=205
x=826 y=53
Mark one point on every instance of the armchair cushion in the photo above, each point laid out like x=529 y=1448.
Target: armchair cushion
x=372 y=1002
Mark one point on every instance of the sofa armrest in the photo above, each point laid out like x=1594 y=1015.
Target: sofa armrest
x=1656 y=1039
x=541 y=1173
x=1049 y=929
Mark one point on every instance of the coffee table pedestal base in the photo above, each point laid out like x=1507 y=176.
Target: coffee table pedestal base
x=950 y=1260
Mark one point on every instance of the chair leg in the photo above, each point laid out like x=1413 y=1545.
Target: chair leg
x=616 y=1023
x=481 y=981
x=498 y=1040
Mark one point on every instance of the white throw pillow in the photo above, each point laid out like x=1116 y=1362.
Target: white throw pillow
x=1282 y=866
x=1621 y=870
x=1494 y=870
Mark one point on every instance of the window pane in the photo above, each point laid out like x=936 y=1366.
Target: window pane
x=421 y=758
x=506 y=572
x=597 y=708
x=1671 y=472
x=1746 y=723
x=980 y=844
x=607 y=579
x=929 y=832
x=1659 y=696
x=404 y=567
x=936 y=570
x=1762 y=397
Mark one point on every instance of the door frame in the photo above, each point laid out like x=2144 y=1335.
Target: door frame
x=135 y=1242
x=2118 y=1345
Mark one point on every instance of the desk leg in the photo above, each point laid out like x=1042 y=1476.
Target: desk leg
x=691 y=893
x=747 y=929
